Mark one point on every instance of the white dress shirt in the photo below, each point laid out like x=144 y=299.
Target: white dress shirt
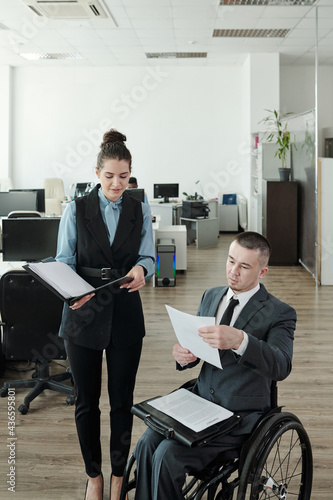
x=243 y=298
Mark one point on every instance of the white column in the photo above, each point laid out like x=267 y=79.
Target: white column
x=5 y=120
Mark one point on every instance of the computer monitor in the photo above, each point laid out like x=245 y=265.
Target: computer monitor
x=29 y=239
x=40 y=197
x=137 y=193
x=166 y=191
x=15 y=200
x=82 y=188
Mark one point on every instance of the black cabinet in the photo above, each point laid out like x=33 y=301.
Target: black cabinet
x=279 y=220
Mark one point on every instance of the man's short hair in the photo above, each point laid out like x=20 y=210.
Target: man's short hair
x=255 y=241
x=132 y=180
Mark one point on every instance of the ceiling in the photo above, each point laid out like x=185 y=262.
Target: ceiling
x=180 y=30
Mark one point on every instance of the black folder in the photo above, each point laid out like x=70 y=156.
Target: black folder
x=115 y=284
x=173 y=429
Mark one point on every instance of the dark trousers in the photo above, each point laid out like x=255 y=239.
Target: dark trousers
x=86 y=368
x=162 y=463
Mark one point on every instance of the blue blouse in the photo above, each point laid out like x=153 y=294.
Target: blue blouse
x=67 y=236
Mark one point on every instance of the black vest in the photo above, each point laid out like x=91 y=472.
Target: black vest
x=115 y=316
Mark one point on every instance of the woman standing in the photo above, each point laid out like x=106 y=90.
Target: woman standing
x=105 y=235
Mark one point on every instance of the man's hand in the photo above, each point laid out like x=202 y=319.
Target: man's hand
x=182 y=356
x=221 y=336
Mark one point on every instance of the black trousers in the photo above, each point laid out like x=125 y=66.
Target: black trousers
x=86 y=367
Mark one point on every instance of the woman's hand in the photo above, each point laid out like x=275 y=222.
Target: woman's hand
x=79 y=303
x=138 y=275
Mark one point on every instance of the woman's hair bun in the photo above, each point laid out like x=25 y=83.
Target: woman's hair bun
x=112 y=136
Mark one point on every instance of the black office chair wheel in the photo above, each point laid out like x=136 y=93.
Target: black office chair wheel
x=3 y=392
x=23 y=409
x=70 y=400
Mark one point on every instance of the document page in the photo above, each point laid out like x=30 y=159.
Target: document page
x=186 y=329
x=191 y=410
x=62 y=278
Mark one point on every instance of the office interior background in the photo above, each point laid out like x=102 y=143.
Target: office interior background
x=188 y=113
x=187 y=81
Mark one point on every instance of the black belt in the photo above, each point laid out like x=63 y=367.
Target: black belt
x=106 y=273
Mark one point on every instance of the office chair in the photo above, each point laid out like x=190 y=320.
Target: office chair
x=31 y=317
x=17 y=214
x=54 y=195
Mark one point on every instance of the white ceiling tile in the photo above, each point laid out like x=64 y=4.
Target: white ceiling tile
x=152 y=24
x=192 y=33
x=191 y=12
x=145 y=3
x=167 y=25
x=276 y=23
x=126 y=34
x=286 y=11
x=194 y=23
x=240 y=11
x=324 y=12
x=151 y=13
x=301 y=33
x=155 y=33
x=193 y=3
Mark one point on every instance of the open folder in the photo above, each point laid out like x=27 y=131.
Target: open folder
x=186 y=417
x=62 y=280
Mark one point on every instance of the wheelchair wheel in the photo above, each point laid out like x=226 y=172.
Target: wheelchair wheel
x=279 y=464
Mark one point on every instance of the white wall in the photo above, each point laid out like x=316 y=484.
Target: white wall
x=264 y=87
x=5 y=120
x=325 y=215
x=298 y=94
x=182 y=124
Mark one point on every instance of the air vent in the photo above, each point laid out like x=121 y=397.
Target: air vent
x=35 y=56
x=251 y=33
x=284 y=3
x=175 y=55
x=69 y=9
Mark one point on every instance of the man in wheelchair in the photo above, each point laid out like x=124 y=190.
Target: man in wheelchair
x=254 y=333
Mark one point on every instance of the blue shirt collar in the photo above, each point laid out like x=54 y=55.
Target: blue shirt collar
x=105 y=202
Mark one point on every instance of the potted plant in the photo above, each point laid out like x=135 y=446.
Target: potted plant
x=279 y=132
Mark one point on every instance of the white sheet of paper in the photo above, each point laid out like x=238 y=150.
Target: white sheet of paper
x=62 y=277
x=191 y=410
x=186 y=329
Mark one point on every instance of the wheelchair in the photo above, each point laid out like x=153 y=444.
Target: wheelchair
x=274 y=463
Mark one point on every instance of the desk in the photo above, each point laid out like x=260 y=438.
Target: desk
x=228 y=218
x=204 y=230
x=165 y=211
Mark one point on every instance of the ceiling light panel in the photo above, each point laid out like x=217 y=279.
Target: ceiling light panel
x=35 y=56
x=253 y=3
x=251 y=33
x=175 y=55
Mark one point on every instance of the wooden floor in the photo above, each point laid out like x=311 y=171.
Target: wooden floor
x=48 y=461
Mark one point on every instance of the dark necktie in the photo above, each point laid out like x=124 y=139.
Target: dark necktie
x=227 y=315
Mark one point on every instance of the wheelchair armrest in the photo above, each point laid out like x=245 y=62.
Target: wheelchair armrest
x=188 y=384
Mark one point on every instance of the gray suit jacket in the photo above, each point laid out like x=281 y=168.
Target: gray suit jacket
x=244 y=384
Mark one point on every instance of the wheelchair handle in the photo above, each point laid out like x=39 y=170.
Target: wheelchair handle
x=155 y=426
